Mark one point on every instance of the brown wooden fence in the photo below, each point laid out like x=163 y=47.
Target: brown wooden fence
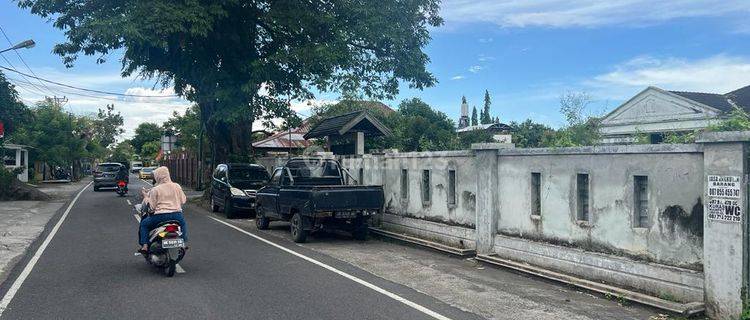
x=183 y=167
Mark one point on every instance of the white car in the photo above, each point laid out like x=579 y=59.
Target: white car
x=136 y=166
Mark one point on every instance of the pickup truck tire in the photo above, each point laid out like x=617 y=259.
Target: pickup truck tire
x=361 y=230
x=261 y=222
x=299 y=234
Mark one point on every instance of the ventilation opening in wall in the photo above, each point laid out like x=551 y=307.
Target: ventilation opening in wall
x=451 y=187
x=582 y=188
x=426 y=186
x=536 y=194
x=640 y=196
x=361 y=176
x=404 y=183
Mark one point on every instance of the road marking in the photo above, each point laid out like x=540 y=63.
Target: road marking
x=137 y=217
x=34 y=259
x=380 y=290
x=179 y=269
x=128 y=200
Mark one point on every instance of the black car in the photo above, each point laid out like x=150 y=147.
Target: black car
x=234 y=186
x=315 y=194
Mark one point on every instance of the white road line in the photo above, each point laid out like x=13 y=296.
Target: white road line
x=380 y=290
x=128 y=200
x=137 y=217
x=34 y=259
x=179 y=269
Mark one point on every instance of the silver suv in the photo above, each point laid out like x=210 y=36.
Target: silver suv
x=105 y=174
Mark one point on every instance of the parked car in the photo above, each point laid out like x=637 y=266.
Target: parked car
x=104 y=175
x=136 y=166
x=234 y=186
x=146 y=173
x=314 y=194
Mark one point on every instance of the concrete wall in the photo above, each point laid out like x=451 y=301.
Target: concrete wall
x=673 y=235
x=386 y=170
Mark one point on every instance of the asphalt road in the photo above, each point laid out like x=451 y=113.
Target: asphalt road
x=88 y=271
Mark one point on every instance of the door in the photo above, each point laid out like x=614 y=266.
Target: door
x=268 y=196
x=219 y=185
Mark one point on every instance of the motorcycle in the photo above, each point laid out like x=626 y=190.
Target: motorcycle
x=122 y=188
x=166 y=247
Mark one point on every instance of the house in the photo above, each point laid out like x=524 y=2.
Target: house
x=655 y=111
x=345 y=134
x=284 y=142
x=500 y=131
x=17 y=156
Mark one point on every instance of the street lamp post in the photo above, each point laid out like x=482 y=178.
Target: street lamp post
x=27 y=44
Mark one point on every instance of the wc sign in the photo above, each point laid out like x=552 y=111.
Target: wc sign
x=724 y=198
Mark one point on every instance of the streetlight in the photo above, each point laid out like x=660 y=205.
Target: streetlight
x=23 y=44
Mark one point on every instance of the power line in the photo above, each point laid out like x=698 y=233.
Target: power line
x=23 y=61
x=89 y=90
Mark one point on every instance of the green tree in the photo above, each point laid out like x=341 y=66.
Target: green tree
x=240 y=60
x=418 y=127
x=187 y=128
x=581 y=130
x=146 y=132
x=738 y=120
x=474 y=119
x=485 y=117
x=13 y=112
x=529 y=134
x=150 y=150
x=107 y=126
x=122 y=152
x=58 y=137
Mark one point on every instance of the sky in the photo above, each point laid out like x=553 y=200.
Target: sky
x=525 y=53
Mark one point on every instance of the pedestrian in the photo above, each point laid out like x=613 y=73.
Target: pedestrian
x=165 y=200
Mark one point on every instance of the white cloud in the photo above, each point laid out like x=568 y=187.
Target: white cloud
x=458 y=77
x=485 y=40
x=475 y=69
x=717 y=74
x=585 y=13
x=484 y=58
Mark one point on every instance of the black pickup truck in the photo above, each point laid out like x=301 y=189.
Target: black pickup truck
x=314 y=194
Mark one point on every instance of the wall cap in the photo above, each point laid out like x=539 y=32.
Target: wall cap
x=492 y=146
x=606 y=149
x=726 y=136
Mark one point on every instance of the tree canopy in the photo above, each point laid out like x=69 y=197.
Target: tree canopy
x=240 y=60
x=146 y=132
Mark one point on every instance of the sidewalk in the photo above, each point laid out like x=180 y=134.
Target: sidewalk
x=21 y=222
x=490 y=292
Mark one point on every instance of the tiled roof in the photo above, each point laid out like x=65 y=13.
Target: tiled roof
x=724 y=102
x=348 y=122
x=281 y=140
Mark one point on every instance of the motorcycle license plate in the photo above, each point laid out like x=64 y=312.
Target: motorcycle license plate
x=172 y=243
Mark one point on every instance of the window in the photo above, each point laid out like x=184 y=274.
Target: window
x=536 y=192
x=426 y=186
x=404 y=183
x=451 y=187
x=361 y=176
x=276 y=178
x=10 y=157
x=640 y=196
x=582 y=186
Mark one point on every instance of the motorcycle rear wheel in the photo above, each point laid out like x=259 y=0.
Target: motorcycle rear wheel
x=170 y=269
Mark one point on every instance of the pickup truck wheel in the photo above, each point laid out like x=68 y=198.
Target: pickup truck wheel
x=214 y=206
x=261 y=222
x=299 y=234
x=361 y=230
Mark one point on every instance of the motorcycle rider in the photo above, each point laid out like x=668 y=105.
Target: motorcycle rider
x=165 y=199
x=123 y=175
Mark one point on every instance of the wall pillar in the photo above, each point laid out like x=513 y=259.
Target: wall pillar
x=487 y=208
x=725 y=203
x=359 y=143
